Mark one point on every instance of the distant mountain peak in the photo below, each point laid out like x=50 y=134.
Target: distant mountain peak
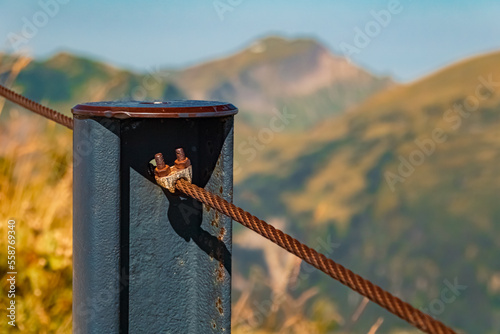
x=258 y=47
x=73 y=64
x=64 y=57
x=274 y=69
x=280 y=41
x=283 y=47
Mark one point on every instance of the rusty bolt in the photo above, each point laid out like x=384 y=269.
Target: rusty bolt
x=161 y=168
x=182 y=161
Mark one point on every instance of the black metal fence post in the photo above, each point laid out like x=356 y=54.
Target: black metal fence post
x=145 y=260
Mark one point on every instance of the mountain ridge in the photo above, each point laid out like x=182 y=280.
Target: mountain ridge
x=275 y=71
x=268 y=75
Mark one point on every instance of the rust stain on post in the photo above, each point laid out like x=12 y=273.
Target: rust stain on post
x=220 y=272
x=222 y=233
x=218 y=306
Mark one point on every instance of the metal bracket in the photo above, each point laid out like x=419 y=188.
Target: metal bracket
x=169 y=181
x=166 y=176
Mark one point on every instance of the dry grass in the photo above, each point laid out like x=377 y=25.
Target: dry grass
x=36 y=191
x=269 y=300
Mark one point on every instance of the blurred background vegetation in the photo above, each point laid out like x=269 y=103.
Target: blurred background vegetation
x=322 y=178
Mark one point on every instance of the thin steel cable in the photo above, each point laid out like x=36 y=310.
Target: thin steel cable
x=36 y=107
x=357 y=283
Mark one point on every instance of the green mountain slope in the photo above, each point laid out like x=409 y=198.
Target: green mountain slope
x=65 y=80
x=408 y=184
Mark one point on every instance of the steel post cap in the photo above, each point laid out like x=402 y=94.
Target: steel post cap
x=156 y=109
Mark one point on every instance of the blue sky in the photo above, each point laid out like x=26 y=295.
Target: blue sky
x=420 y=38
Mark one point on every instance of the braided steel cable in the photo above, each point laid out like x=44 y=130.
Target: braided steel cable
x=36 y=107
x=357 y=283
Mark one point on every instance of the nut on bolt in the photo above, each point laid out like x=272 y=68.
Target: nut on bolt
x=182 y=162
x=161 y=168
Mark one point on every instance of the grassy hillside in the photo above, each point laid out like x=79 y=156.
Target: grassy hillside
x=65 y=80
x=414 y=227
x=410 y=225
